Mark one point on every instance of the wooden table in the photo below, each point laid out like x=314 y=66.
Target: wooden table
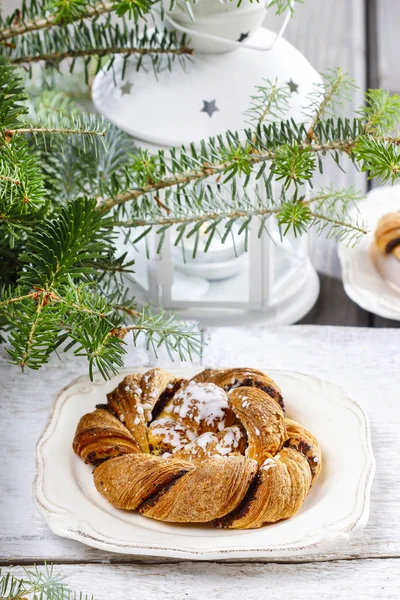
x=365 y=361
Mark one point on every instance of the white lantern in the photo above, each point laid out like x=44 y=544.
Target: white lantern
x=273 y=282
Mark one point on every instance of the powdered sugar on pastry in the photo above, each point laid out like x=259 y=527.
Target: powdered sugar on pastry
x=212 y=444
x=268 y=464
x=203 y=403
x=170 y=434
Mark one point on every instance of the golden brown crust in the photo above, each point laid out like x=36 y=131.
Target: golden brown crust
x=125 y=402
x=230 y=379
x=387 y=234
x=278 y=492
x=130 y=480
x=100 y=435
x=304 y=442
x=263 y=420
x=218 y=450
x=211 y=490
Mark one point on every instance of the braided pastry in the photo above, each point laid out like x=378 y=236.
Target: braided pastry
x=387 y=234
x=215 y=449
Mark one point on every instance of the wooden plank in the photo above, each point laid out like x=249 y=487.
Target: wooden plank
x=331 y=34
x=362 y=580
x=366 y=362
x=334 y=307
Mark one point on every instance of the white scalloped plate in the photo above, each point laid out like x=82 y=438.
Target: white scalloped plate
x=361 y=279
x=337 y=505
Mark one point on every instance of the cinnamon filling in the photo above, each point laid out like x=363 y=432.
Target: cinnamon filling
x=268 y=389
x=160 y=490
x=304 y=449
x=165 y=397
x=243 y=508
x=390 y=246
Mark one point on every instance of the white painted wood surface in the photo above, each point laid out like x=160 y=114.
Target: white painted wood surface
x=365 y=361
x=359 y=580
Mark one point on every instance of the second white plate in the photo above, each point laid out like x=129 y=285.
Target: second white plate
x=337 y=505
x=362 y=281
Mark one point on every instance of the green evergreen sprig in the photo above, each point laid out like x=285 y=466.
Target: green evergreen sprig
x=37 y=584
x=39 y=15
x=281 y=6
x=55 y=304
x=214 y=210
x=269 y=102
x=292 y=150
x=95 y=41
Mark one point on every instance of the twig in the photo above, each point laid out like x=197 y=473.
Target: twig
x=32 y=331
x=58 y=130
x=210 y=169
x=59 y=56
x=46 y=22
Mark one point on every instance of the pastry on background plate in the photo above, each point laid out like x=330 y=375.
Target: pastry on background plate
x=216 y=449
x=386 y=248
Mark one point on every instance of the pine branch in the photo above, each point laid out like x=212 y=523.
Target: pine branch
x=381 y=112
x=9 y=179
x=56 y=130
x=268 y=103
x=69 y=171
x=25 y=21
x=166 y=330
x=57 y=57
x=283 y=146
x=381 y=158
x=65 y=244
x=327 y=98
x=231 y=156
x=12 y=96
x=33 y=334
x=214 y=210
x=282 y=6
x=51 y=307
x=19 y=203
x=37 y=16
x=64 y=121
x=36 y=584
x=95 y=40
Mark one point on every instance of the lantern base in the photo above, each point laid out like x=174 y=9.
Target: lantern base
x=286 y=311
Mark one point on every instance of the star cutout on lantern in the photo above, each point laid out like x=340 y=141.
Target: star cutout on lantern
x=209 y=107
x=293 y=86
x=126 y=88
x=243 y=36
